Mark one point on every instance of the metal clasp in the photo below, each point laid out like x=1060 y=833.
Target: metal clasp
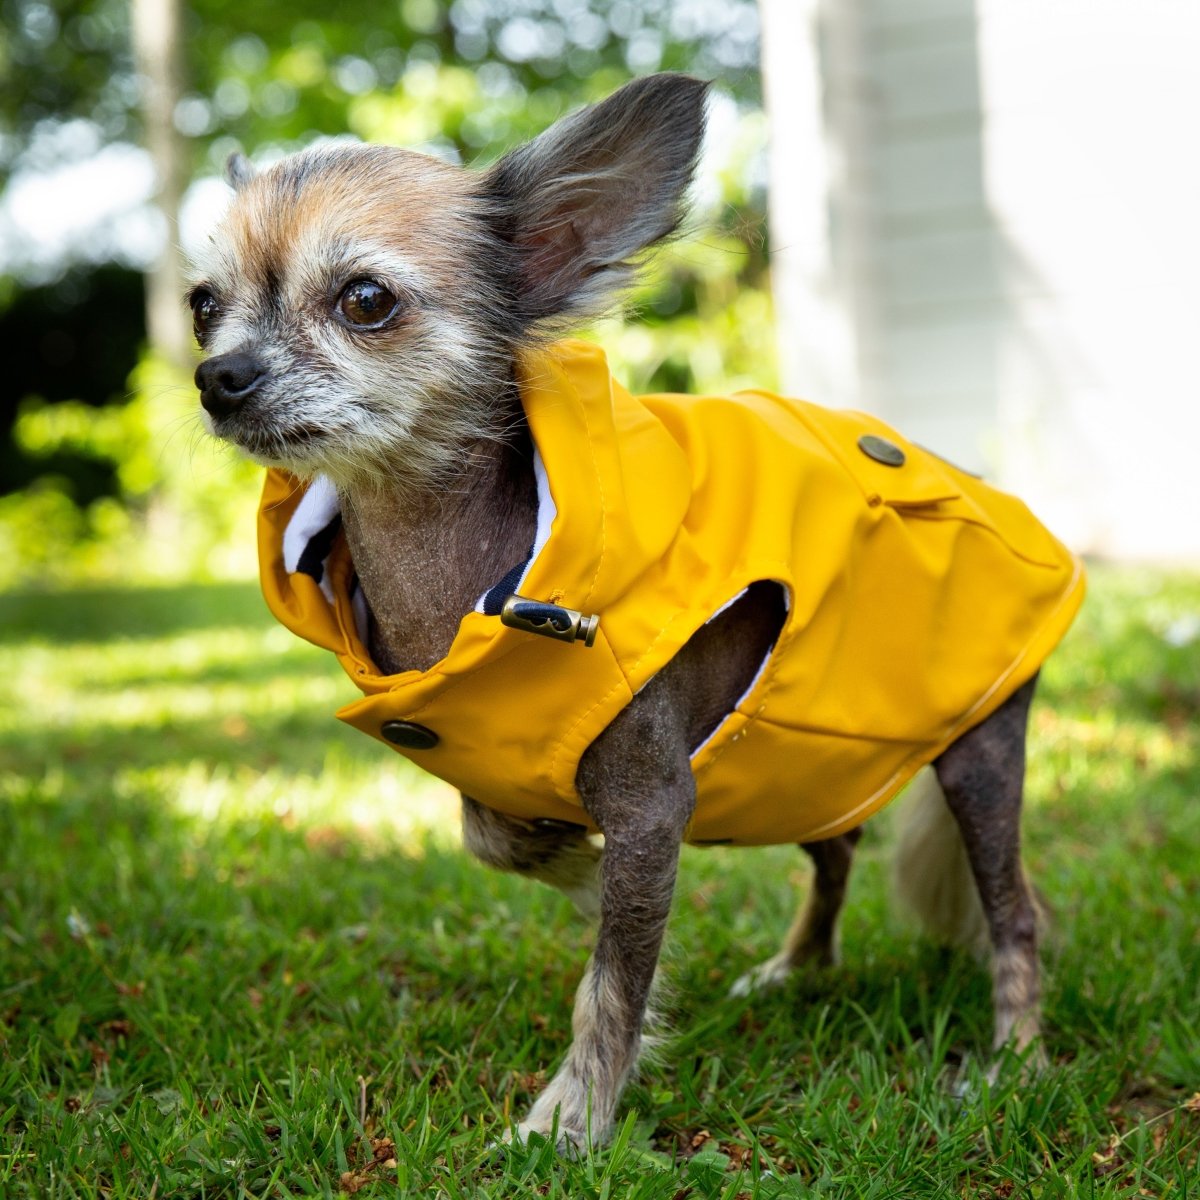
x=550 y=620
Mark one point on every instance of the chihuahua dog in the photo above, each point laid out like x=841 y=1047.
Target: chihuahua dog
x=377 y=329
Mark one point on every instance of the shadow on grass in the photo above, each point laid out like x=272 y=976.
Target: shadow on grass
x=299 y=741
x=308 y=663
x=109 y=614
x=239 y=982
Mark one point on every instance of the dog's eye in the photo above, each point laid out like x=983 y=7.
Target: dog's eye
x=205 y=311
x=367 y=304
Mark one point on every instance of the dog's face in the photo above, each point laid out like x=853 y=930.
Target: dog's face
x=334 y=304
x=361 y=305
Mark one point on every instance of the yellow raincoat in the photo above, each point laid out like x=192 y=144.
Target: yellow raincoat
x=919 y=599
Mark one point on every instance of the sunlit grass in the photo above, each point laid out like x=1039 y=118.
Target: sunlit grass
x=240 y=954
x=223 y=724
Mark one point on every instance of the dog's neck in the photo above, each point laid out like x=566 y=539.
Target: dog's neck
x=425 y=557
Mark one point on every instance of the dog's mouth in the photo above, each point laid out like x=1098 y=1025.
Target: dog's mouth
x=256 y=437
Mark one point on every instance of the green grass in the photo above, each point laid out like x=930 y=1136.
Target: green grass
x=240 y=953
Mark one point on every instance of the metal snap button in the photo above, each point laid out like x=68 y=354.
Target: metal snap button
x=409 y=734
x=881 y=450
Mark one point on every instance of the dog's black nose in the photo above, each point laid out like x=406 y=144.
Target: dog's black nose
x=228 y=381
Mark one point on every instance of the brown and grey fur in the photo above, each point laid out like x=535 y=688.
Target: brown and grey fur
x=419 y=426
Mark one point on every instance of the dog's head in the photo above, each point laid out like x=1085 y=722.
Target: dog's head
x=360 y=305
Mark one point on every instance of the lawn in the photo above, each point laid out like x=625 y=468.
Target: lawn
x=240 y=954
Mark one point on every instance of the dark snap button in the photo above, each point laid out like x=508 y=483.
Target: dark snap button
x=881 y=450
x=409 y=734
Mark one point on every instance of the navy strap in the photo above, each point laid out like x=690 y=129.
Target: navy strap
x=495 y=596
x=312 y=560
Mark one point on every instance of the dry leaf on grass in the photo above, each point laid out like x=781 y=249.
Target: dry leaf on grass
x=383 y=1157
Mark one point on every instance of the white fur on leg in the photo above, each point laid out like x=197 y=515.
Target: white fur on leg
x=932 y=878
x=562 y=1106
x=581 y=1100
x=576 y=873
x=1018 y=1028
x=772 y=973
x=1015 y=989
x=572 y=864
x=804 y=946
x=931 y=875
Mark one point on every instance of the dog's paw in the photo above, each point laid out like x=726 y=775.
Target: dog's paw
x=573 y=1116
x=773 y=973
x=568 y=1143
x=1009 y=1066
x=812 y=955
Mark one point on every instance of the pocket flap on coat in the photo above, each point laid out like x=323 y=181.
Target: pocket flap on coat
x=888 y=467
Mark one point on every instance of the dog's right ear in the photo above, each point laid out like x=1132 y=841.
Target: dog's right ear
x=238 y=171
x=597 y=187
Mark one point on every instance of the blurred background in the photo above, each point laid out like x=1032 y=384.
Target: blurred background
x=976 y=218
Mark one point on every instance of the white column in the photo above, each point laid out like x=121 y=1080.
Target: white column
x=813 y=333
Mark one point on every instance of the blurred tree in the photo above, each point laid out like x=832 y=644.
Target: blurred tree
x=58 y=62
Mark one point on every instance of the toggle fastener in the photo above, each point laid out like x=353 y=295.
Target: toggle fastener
x=550 y=620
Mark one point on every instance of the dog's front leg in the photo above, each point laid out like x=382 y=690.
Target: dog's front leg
x=636 y=782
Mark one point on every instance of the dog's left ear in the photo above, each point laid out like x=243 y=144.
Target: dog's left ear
x=238 y=171
x=594 y=189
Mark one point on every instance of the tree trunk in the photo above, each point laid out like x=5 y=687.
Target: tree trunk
x=158 y=55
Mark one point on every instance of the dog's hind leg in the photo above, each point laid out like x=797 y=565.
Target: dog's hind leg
x=812 y=939
x=982 y=775
x=554 y=852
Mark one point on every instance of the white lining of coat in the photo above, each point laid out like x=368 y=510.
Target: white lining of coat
x=318 y=506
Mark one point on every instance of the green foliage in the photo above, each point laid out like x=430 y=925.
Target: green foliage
x=185 y=507
x=284 y=70
x=276 y=72
x=240 y=954
x=62 y=60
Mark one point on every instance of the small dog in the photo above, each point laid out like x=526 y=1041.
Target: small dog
x=779 y=614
